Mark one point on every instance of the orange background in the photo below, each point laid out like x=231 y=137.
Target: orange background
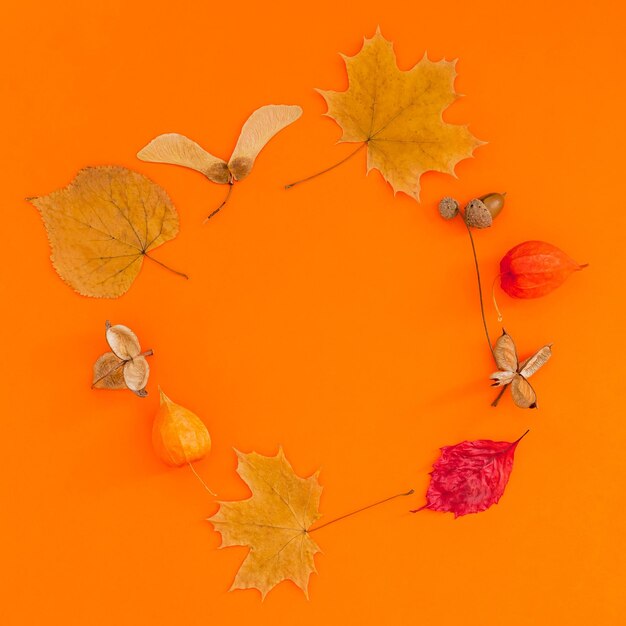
x=332 y=319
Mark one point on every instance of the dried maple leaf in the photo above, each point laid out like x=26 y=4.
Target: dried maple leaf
x=516 y=374
x=273 y=523
x=470 y=476
x=103 y=225
x=125 y=367
x=259 y=128
x=397 y=115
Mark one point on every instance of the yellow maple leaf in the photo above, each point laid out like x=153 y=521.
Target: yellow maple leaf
x=273 y=523
x=102 y=225
x=397 y=115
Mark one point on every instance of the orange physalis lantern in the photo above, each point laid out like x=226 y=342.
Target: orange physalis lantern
x=179 y=436
x=534 y=268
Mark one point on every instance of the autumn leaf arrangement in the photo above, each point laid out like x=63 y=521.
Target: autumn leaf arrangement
x=109 y=219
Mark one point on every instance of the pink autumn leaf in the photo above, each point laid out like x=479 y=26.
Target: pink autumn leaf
x=470 y=476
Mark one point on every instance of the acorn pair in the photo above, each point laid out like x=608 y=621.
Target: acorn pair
x=479 y=212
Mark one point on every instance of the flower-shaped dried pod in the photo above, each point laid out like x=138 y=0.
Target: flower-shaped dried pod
x=125 y=367
x=516 y=374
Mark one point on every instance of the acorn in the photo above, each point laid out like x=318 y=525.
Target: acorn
x=448 y=208
x=494 y=203
x=477 y=214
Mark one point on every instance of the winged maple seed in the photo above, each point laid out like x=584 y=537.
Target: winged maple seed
x=125 y=367
x=397 y=116
x=260 y=127
x=274 y=523
x=103 y=225
x=516 y=374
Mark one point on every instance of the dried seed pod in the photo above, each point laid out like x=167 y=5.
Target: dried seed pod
x=136 y=372
x=516 y=374
x=534 y=268
x=108 y=372
x=494 y=203
x=448 y=208
x=122 y=341
x=477 y=215
x=178 y=435
x=125 y=367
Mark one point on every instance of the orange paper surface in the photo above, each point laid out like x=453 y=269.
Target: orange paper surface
x=331 y=319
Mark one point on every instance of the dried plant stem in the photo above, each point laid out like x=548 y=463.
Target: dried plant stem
x=493 y=297
x=497 y=398
x=328 y=169
x=193 y=469
x=167 y=267
x=369 y=506
x=219 y=208
x=480 y=288
x=482 y=310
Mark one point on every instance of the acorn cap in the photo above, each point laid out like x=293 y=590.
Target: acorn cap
x=477 y=215
x=448 y=208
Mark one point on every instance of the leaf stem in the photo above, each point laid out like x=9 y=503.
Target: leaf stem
x=328 y=169
x=193 y=469
x=167 y=267
x=480 y=288
x=522 y=437
x=219 y=208
x=369 y=506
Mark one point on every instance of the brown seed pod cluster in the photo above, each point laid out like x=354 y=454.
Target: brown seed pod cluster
x=125 y=366
x=479 y=212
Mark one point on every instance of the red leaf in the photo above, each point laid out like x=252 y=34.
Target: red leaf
x=534 y=268
x=470 y=476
